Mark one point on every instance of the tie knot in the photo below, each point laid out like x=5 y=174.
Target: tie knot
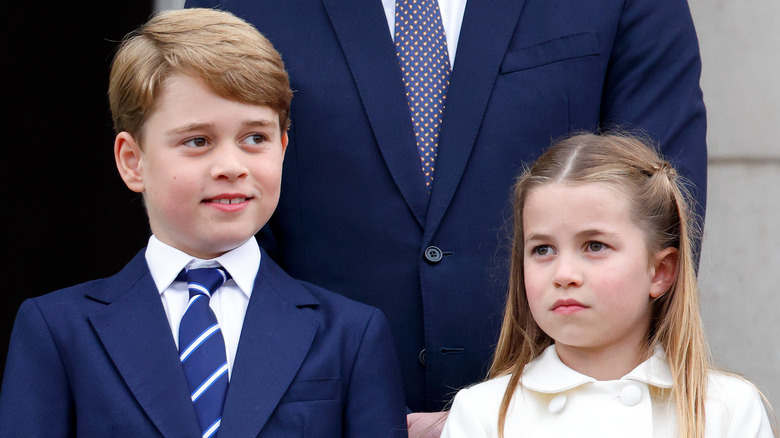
x=205 y=281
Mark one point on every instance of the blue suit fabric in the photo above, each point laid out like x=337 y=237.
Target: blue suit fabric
x=99 y=360
x=355 y=215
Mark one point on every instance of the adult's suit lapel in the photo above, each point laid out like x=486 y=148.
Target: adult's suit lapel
x=362 y=31
x=484 y=37
x=275 y=339
x=135 y=332
x=361 y=28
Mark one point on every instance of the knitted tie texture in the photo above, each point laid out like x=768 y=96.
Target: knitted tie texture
x=421 y=48
x=202 y=349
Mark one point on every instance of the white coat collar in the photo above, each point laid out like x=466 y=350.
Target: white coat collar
x=548 y=374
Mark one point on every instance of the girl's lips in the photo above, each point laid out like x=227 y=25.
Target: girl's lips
x=567 y=307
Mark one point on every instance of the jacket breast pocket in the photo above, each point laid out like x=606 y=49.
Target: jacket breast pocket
x=321 y=389
x=564 y=48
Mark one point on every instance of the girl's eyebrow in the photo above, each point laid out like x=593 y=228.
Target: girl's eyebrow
x=584 y=234
x=537 y=236
x=594 y=232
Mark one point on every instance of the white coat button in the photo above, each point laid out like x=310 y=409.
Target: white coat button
x=631 y=395
x=557 y=403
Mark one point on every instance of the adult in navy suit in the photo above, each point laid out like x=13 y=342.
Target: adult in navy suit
x=355 y=215
x=203 y=140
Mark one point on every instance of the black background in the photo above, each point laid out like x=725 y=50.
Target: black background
x=71 y=217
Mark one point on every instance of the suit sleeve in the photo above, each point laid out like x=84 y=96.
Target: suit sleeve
x=653 y=83
x=35 y=400
x=375 y=398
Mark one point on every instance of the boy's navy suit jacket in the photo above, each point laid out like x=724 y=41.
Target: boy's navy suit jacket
x=99 y=360
x=354 y=209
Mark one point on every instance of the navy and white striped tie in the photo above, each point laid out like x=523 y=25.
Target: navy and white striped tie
x=202 y=348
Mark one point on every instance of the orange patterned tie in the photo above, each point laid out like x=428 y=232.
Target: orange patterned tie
x=425 y=64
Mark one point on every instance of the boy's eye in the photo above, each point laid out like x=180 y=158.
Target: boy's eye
x=197 y=142
x=543 y=250
x=255 y=139
x=596 y=246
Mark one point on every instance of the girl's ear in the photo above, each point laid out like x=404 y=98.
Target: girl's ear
x=664 y=271
x=127 y=154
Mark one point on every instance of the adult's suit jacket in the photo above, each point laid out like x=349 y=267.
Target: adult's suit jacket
x=355 y=216
x=99 y=360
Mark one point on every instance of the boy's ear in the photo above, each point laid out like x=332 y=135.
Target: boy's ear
x=664 y=271
x=127 y=155
x=285 y=140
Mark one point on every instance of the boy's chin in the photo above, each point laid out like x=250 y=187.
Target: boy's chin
x=231 y=244
x=218 y=247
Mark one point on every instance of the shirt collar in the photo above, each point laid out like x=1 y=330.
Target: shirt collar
x=548 y=374
x=165 y=262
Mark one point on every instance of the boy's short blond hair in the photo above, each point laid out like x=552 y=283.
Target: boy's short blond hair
x=226 y=52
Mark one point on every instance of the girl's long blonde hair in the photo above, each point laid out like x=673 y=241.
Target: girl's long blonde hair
x=661 y=207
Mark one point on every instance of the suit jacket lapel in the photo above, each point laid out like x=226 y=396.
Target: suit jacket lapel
x=362 y=31
x=484 y=37
x=275 y=339
x=135 y=332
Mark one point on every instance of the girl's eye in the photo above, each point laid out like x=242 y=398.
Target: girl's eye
x=596 y=246
x=255 y=139
x=197 y=142
x=543 y=250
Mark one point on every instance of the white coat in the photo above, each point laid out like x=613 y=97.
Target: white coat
x=556 y=401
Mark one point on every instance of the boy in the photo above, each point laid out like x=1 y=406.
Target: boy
x=200 y=103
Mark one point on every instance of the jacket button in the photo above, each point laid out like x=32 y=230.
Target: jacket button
x=422 y=357
x=557 y=403
x=433 y=254
x=631 y=395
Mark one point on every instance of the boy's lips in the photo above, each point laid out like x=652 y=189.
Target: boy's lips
x=228 y=201
x=228 y=198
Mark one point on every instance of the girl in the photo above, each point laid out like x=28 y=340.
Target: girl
x=601 y=334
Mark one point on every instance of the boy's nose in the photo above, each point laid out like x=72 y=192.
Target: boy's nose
x=567 y=272
x=228 y=162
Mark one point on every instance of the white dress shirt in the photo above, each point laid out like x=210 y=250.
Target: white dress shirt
x=451 y=18
x=556 y=401
x=229 y=302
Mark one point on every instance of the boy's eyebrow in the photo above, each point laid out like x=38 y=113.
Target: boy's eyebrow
x=262 y=123
x=187 y=128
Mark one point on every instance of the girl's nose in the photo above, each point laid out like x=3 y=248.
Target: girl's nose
x=567 y=272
